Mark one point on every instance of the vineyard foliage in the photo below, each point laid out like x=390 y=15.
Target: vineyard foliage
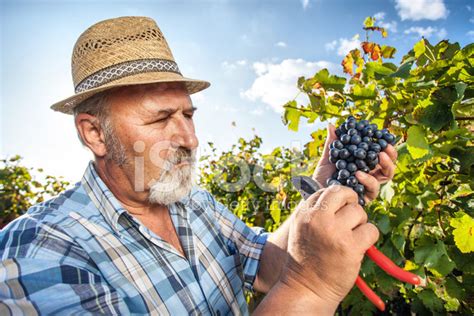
x=425 y=214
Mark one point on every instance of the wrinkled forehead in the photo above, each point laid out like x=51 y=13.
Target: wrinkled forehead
x=152 y=97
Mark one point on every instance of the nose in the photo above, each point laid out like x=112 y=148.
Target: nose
x=185 y=135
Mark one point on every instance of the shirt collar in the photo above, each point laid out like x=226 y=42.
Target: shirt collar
x=108 y=205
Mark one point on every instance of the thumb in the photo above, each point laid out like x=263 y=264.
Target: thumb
x=331 y=136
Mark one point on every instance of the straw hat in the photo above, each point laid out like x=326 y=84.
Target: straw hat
x=119 y=52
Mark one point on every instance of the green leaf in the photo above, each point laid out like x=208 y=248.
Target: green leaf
x=404 y=70
x=364 y=92
x=416 y=143
x=433 y=114
x=275 y=211
x=292 y=116
x=463 y=233
x=431 y=301
x=387 y=191
x=328 y=81
x=419 y=48
x=465 y=157
x=433 y=255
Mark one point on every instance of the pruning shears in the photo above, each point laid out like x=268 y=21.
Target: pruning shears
x=307 y=186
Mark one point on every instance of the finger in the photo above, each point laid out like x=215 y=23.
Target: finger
x=391 y=152
x=365 y=235
x=331 y=136
x=388 y=167
x=335 y=197
x=371 y=184
x=351 y=216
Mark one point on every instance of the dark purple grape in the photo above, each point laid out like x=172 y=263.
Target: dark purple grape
x=337 y=144
x=372 y=164
x=366 y=139
x=351 y=159
x=389 y=138
x=378 y=134
x=361 y=201
x=365 y=122
x=343 y=129
x=356 y=139
x=375 y=147
x=363 y=145
x=344 y=153
x=371 y=155
x=352 y=181
x=383 y=143
x=351 y=148
x=345 y=139
x=343 y=174
x=333 y=182
x=350 y=124
x=360 y=126
x=334 y=152
x=352 y=132
x=341 y=164
x=360 y=164
x=335 y=174
x=365 y=169
x=332 y=159
x=368 y=132
x=338 y=132
x=360 y=153
x=351 y=167
x=351 y=118
x=359 y=188
x=374 y=127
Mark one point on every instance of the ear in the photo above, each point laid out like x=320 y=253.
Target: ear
x=91 y=134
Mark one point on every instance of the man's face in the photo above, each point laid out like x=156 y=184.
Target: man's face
x=153 y=127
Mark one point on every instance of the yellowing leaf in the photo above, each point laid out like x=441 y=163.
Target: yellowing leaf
x=372 y=49
x=369 y=22
x=410 y=265
x=463 y=233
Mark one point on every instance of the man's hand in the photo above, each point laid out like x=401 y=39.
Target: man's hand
x=382 y=173
x=327 y=241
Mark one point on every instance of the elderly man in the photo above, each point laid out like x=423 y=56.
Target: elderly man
x=134 y=236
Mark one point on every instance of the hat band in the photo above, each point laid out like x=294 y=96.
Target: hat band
x=125 y=69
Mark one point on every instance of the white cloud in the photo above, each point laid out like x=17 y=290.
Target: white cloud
x=469 y=8
x=380 y=21
x=345 y=45
x=276 y=82
x=427 y=31
x=379 y=16
x=331 y=45
x=281 y=44
x=470 y=34
x=305 y=4
x=230 y=66
x=421 y=9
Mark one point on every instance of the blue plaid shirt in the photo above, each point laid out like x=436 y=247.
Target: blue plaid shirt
x=81 y=252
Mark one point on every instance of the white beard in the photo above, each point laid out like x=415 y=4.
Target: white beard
x=174 y=184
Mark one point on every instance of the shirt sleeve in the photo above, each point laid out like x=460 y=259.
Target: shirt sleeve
x=249 y=241
x=43 y=280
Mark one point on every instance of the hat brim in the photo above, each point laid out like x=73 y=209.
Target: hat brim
x=192 y=85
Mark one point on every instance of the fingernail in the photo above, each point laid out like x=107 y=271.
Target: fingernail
x=361 y=174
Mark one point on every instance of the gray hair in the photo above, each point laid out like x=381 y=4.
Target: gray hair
x=98 y=106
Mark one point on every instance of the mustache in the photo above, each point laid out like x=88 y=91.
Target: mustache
x=182 y=155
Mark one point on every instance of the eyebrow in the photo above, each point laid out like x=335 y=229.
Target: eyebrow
x=174 y=110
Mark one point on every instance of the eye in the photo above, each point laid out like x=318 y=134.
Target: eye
x=162 y=120
x=189 y=115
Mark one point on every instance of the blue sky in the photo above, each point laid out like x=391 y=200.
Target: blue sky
x=251 y=52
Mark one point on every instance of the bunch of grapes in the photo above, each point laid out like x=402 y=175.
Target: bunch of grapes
x=357 y=148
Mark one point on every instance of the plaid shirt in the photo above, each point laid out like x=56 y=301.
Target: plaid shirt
x=81 y=252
